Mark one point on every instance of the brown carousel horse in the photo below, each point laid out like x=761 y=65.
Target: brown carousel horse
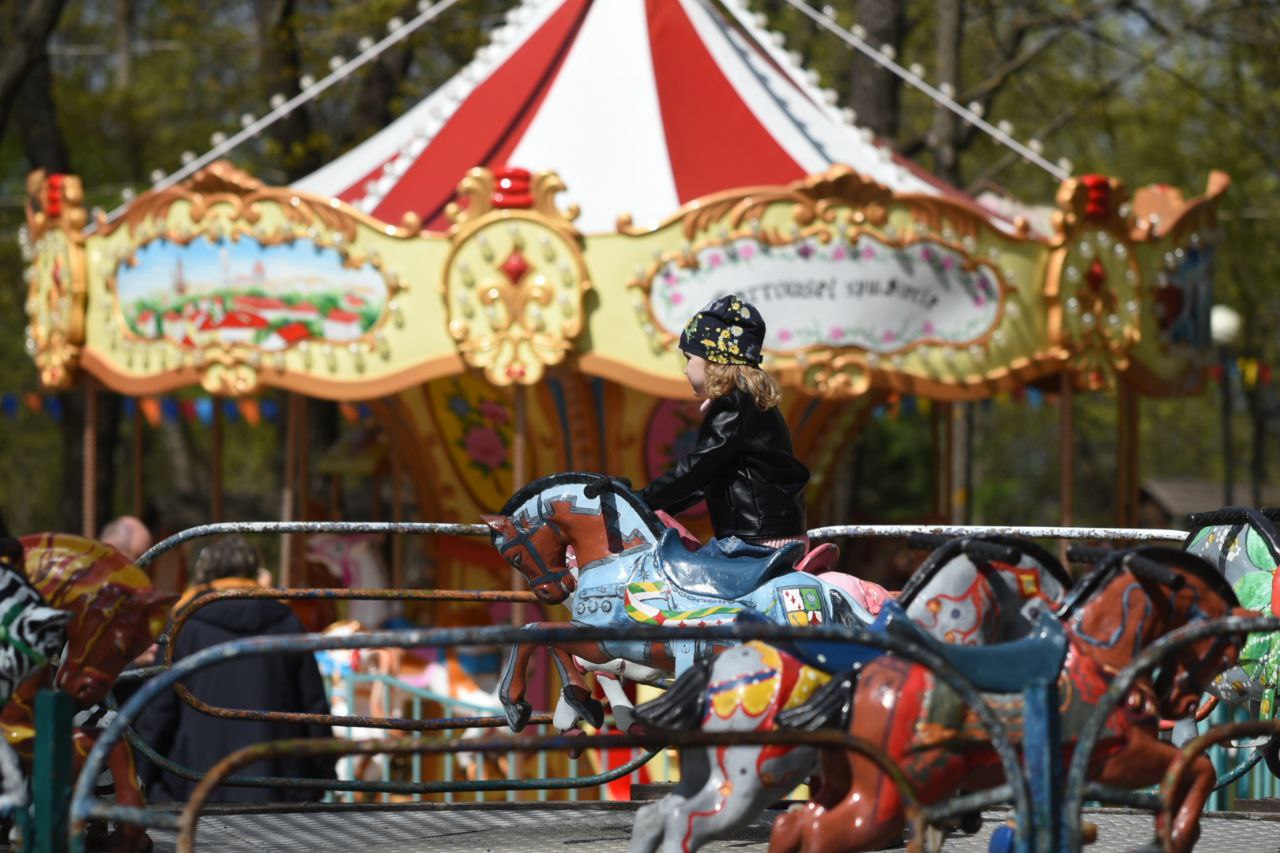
x=115 y=616
x=1123 y=607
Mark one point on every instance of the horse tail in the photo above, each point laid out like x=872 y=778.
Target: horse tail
x=830 y=708
x=682 y=707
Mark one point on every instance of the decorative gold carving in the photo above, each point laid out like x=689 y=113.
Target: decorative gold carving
x=828 y=371
x=514 y=280
x=225 y=204
x=220 y=184
x=55 y=304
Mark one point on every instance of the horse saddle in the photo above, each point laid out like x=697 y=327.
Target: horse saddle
x=724 y=568
x=999 y=668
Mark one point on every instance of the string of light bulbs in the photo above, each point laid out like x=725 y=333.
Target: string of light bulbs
x=339 y=69
x=1001 y=132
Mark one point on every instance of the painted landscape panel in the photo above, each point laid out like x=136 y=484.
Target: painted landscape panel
x=272 y=297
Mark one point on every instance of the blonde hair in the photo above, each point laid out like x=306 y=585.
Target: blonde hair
x=723 y=378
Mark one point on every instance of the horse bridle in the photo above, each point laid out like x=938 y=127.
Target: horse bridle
x=547 y=576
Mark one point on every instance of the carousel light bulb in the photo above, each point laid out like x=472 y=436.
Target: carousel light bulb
x=1036 y=145
x=858 y=31
x=976 y=108
x=395 y=24
x=364 y=43
x=1086 y=248
x=777 y=39
x=1073 y=304
x=277 y=101
x=1121 y=250
x=760 y=19
x=1005 y=126
x=306 y=81
x=947 y=89
x=188 y=157
x=849 y=115
x=1131 y=306
x=916 y=69
x=127 y=194
x=246 y=119
x=336 y=62
x=888 y=51
x=157 y=175
x=1065 y=164
x=796 y=57
x=829 y=11
x=1072 y=273
x=217 y=137
x=1087 y=321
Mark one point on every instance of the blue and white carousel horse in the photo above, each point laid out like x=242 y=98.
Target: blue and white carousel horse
x=631 y=569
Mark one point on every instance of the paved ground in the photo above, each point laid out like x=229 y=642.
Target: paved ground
x=555 y=828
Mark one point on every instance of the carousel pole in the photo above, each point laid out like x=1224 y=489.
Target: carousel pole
x=397 y=543
x=1066 y=453
x=137 y=462
x=289 y=482
x=1066 y=448
x=520 y=477
x=215 y=462
x=945 y=447
x=89 y=445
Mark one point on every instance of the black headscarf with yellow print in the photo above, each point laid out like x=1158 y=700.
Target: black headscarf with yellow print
x=729 y=330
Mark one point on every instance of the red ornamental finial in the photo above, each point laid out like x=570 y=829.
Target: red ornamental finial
x=53 y=195
x=511 y=188
x=1097 y=204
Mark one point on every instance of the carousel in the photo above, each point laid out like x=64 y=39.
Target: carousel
x=501 y=274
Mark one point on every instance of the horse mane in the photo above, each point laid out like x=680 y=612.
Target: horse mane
x=1262 y=520
x=1114 y=562
x=582 y=478
x=948 y=551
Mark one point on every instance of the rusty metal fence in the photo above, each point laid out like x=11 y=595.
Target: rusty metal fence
x=437 y=736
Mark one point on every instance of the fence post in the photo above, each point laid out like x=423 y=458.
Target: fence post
x=52 y=777
x=1042 y=763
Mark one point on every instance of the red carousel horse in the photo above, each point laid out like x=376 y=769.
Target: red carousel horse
x=1122 y=608
x=115 y=616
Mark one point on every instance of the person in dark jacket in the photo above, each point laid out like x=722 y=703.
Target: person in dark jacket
x=743 y=464
x=261 y=682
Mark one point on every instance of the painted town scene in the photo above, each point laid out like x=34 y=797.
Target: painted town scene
x=243 y=292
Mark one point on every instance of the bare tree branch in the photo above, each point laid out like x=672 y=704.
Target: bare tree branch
x=25 y=45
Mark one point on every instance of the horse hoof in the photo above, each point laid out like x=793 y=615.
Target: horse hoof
x=575 y=732
x=518 y=713
x=590 y=710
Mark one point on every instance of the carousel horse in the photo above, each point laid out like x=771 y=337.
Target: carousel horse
x=971 y=591
x=355 y=560
x=632 y=570
x=1244 y=545
x=1131 y=600
x=115 y=615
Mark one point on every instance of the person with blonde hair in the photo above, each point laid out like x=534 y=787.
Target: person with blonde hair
x=743 y=464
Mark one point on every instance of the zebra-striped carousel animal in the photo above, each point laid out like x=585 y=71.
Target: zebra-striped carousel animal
x=31 y=633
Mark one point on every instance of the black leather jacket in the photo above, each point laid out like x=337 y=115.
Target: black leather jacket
x=744 y=467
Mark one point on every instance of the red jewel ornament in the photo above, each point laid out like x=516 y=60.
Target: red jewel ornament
x=515 y=267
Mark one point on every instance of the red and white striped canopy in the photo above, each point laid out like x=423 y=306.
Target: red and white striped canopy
x=639 y=105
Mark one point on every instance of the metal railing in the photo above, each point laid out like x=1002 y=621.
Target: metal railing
x=85 y=807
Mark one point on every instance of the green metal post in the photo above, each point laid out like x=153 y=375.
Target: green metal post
x=52 y=778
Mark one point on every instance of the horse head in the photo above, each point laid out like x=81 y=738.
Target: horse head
x=535 y=547
x=1137 y=596
x=115 y=614
x=983 y=589
x=600 y=517
x=115 y=626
